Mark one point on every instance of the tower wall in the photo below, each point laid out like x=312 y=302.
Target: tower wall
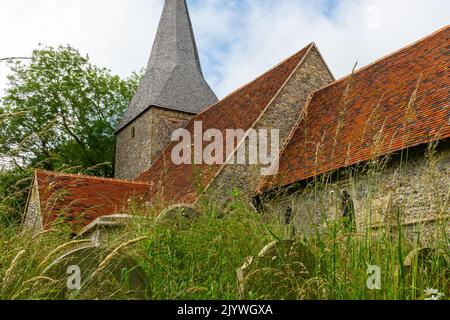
x=140 y=143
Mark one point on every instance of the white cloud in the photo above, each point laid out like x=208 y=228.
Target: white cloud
x=238 y=39
x=362 y=31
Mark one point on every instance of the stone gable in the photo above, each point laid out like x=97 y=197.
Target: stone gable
x=282 y=114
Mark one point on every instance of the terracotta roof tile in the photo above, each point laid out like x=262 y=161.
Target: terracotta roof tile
x=398 y=102
x=81 y=199
x=239 y=110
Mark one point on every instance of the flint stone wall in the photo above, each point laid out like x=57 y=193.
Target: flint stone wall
x=416 y=188
x=282 y=114
x=153 y=131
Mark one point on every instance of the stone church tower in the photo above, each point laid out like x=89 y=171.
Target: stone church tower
x=172 y=91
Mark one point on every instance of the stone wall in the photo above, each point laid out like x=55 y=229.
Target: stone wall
x=411 y=186
x=32 y=221
x=141 y=142
x=164 y=123
x=282 y=114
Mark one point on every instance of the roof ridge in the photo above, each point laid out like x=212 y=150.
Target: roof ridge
x=260 y=76
x=373 y=63
x=297 y=123
x=81 y=176
x=310 y=98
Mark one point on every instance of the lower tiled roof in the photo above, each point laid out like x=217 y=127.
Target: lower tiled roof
x=82 y=199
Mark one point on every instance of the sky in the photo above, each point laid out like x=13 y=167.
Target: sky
x=237 y=39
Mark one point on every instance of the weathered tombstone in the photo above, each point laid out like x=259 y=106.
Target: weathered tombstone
x=87 y=257
x=277 y=272
x=425 y=261
x=86 y=260
x=178 y=214
x=424 y=258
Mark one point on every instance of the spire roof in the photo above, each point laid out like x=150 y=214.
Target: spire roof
x=174 y=78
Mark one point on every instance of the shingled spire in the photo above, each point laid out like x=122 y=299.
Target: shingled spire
x=174 y=78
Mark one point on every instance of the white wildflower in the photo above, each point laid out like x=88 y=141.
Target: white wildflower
x=433 y=294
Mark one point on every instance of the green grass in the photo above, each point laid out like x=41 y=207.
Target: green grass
x=199 y=261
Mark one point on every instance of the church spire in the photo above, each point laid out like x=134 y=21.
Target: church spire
x=174 y=78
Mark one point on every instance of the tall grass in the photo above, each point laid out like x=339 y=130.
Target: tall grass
x=198 y=260
x=412 y=256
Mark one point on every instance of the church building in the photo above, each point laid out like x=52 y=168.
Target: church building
x=332 y=131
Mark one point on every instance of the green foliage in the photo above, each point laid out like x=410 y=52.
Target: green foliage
x=14 y=186
x=60 y=110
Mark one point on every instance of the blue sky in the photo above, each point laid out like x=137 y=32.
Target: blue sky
x=237 y=39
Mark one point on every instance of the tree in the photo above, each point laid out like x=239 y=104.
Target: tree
x=60 y=111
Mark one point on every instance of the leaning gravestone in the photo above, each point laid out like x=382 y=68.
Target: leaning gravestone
x=420 y=263
x=424 y=257
x=423 y=260
x=86 y=258
x=277 y=272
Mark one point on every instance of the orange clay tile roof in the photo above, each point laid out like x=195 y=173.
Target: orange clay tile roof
x=398 y=102
x=81 y=199
x=177 y=183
